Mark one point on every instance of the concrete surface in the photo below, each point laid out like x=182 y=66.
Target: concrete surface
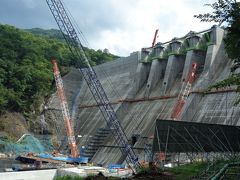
x=127 y=78
x=29 y=175
x=174 y=68
x=157 y=72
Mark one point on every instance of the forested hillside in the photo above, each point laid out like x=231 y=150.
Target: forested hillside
x=26 y=77
x=50 y=33
x=95 y=57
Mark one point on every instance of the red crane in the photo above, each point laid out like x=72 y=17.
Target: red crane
x=184 y=94
x=155 y=38
x=65 y=111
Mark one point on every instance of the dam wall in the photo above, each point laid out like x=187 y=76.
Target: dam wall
x=144 y=87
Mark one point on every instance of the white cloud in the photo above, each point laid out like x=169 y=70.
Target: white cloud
x=139 y=19
x=122 y=26
x=29 y=3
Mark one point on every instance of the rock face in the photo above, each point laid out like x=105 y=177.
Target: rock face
x=13 y=124
x=144 y=89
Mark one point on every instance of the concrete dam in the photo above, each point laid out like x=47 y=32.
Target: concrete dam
x=145 y=86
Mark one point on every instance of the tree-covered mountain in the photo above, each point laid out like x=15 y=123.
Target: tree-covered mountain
x=95 y=57
x=26 y=77
x=50 y=33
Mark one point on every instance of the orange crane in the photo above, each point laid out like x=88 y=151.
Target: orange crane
x=183 y=95
x=182 y=98
x=65 y=111
x=155 y=38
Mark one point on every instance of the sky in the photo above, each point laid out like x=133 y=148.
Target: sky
x=121 y=26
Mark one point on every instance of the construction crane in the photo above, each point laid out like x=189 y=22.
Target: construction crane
x=147 y=51
x=155 y=38
x=65 y=25
x=65 y=111
x=183 y=95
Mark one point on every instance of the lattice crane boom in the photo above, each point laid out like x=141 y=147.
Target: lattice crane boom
x=65 y=110
x=70 y=35
x=183 y=95
x=155 y=38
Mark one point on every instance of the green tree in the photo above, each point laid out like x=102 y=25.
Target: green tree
x=227 y=12
x=26 y=77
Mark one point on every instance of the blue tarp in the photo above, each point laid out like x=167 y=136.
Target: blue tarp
x=66 y=159
x=116 y=166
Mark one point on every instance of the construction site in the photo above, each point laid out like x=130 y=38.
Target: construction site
x=154 y=107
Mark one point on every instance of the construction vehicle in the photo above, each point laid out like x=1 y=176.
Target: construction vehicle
x=65 y=110
x=65 y=25
x=183 y=95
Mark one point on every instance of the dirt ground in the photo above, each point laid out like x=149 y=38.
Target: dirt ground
x=153 y=176
x=141 y=176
